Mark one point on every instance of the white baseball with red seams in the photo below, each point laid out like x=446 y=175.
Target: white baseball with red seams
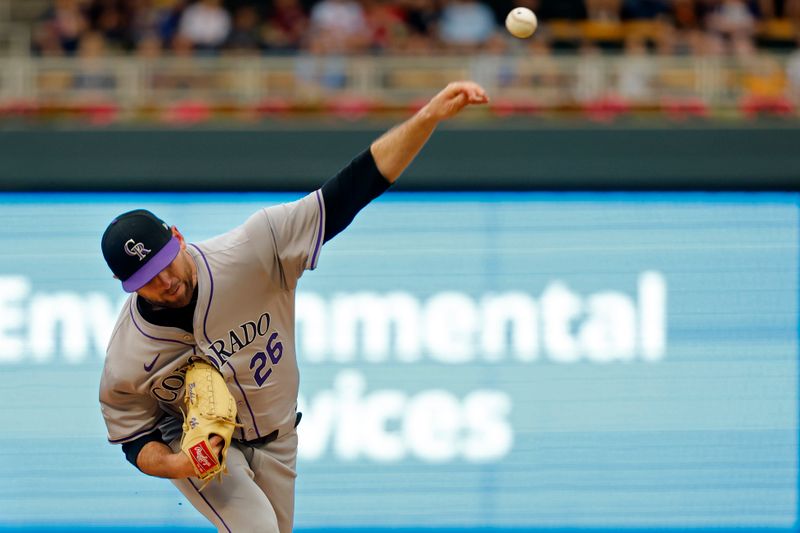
x=521 y=22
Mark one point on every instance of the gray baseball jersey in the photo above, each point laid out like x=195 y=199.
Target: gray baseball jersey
x=243 y=325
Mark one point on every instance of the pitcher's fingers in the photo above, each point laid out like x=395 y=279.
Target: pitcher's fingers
x=454 y=89
x=460 y=99
x=477 y=93
x=217 y=443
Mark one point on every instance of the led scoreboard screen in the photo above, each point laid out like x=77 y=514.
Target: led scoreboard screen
x=467 y=361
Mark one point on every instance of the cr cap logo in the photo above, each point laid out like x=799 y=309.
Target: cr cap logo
x=136 y=248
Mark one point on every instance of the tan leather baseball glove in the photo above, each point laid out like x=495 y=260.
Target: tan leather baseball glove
x=210 y=410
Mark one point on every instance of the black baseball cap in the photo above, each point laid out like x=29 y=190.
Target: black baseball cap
x=137 y=245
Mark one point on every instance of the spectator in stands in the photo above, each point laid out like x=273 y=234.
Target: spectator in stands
x=422 y=19
x=206 y=24
x=685 y=14
x=735 y=23
x=112 y=19
x=159 y=18
x=286 y=26
x=61 y=29
x=670 y=41
x=149 y=46
x=422 y=16
x=417 y=26
x=676 y=23
x=244 y=38
x=182 y=47
x=386 y=23
x=339 y=26
x=646 y=21
x=466 y=24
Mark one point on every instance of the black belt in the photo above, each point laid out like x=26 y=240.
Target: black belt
x=266 y=439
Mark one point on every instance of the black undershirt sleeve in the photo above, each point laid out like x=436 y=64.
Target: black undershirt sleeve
x=131 y=449
x=349 y=191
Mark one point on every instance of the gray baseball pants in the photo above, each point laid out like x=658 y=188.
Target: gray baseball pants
x=257 y=493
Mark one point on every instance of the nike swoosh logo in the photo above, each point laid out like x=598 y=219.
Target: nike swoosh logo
x=148 y=368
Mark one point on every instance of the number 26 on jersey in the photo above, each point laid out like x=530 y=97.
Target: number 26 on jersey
x=262 y=362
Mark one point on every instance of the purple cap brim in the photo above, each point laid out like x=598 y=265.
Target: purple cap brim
x=153 y=266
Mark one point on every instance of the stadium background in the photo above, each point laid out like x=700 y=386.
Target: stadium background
x=578 y=309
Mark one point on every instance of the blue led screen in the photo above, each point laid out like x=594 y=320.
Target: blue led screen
x=526 y=360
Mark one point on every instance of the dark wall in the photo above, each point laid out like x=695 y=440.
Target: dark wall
x=676 y=157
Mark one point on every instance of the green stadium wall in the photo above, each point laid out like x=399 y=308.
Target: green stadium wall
x=677 y=156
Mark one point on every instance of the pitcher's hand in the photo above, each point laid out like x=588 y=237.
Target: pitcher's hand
x=455 y=97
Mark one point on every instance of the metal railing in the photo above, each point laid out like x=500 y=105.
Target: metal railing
x=517 y=83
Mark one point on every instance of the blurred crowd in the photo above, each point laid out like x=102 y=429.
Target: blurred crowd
x=152 y=28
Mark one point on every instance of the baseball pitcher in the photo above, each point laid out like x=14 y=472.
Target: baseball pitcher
x=200 y=381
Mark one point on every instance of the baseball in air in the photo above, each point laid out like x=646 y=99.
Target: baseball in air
x=521 y=22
